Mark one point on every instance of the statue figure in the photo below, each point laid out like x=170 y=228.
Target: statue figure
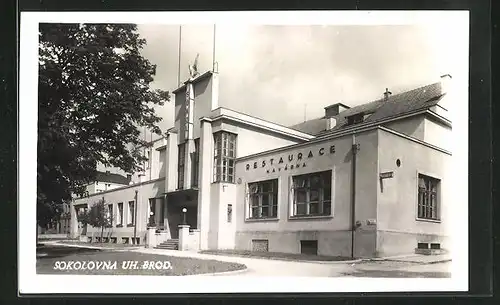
x=193 y=69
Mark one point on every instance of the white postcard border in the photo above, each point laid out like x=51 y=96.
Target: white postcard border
x=30 y=282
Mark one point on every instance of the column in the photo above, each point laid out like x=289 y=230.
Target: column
x=73 y=221
x=206 y=148
x=183 y=237
x=215 y=90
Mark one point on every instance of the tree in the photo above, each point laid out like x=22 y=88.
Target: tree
x=94 y=93
x=98 y=216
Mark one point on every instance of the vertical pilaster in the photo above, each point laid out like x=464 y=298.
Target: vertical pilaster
x=171 y=162
x=73 y=222
x=215 y=91
x=203 y=224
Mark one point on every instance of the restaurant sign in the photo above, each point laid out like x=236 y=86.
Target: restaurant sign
x=290 y=161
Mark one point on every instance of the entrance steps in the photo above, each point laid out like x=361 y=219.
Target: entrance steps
x=171 y=244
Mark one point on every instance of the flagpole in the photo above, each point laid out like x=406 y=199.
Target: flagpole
x=213 y=54
x=179 y=60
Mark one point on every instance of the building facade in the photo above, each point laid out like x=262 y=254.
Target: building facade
x=363 y=181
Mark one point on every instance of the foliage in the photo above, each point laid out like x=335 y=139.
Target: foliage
x=98 y=216
x=94 y=92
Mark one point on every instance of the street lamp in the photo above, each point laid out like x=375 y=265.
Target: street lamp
x=184 y=210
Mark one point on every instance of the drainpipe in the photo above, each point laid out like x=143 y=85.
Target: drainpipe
x=355 y=149
x=135 y=214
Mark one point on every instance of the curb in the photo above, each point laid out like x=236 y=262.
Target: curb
x=410 y=262
x=234 y=272
x=287 y=260
x=224 y=258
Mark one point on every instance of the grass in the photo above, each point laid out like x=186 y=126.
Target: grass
x=61 y=256
x=276 y=255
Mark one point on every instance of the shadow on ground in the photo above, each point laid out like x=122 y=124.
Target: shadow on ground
x=51 y=251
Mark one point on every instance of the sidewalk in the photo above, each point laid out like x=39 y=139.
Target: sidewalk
x=417 y=258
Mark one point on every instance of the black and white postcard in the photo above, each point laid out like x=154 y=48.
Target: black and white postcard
x=270 y=151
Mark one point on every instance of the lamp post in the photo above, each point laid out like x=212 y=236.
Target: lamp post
x=184 y=210
x=151 y=219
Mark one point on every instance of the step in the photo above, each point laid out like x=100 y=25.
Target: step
x=167 y=246
x=170 y=243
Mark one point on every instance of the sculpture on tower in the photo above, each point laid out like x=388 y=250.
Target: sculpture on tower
x=193 y=69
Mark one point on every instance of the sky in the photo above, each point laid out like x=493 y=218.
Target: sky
x=287 y=73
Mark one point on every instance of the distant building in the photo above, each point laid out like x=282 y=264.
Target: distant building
x=366 y=181
x=104 y=181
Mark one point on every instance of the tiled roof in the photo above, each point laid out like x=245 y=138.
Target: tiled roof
x=112 y=178
x=397 y=105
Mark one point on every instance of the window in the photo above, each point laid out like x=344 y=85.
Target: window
x=131 y=212
x=152 y=211
x=195 y=162
x=355 y=118
x=224 y=157
x=309 y=247
x=260 y=245
x=312 y=194
x=229 y=213
x=119 y=220
x=180 y=166
x=110 y=214
x=162 y=163
x=428 y=197
x=146 y=162
x=263 y=199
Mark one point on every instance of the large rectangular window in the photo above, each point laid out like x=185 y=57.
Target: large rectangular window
x=119 y=219
x=312 y=194
x=428 y=188
x=147 y=154
x=180 y=166
x=151 y=211
x=110 y=214
x=195 y=162
x=131 y=212
x=263 y=199
x=224 y=156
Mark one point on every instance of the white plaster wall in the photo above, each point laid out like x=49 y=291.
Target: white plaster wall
x=148 y=190
x=438 y=134
x=414 y=126
x=294 y=229
x=397 y=196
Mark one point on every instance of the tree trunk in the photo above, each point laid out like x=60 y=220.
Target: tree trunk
x=102 y=233
x=36 y=233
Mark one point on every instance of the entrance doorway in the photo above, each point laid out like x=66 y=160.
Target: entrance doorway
x=176 y=202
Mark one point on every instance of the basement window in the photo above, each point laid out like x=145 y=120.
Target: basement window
x=309 y=247
x=260 y=245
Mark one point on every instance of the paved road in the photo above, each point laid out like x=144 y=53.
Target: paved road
x=267 y=267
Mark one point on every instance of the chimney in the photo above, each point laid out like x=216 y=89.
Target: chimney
x=332 y=111
x=387 y=94
x=335 y=109
x=330 y=123
x=445 y=83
